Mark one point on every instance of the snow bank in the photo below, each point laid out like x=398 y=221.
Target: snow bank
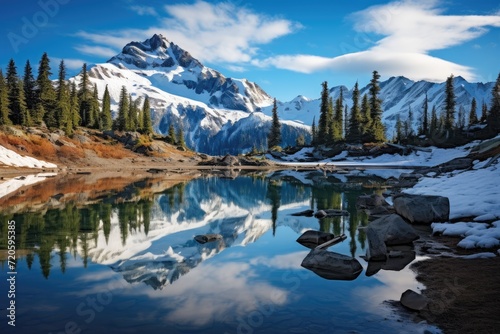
x=11 y=158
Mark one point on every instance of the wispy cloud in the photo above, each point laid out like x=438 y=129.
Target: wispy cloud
x=144 y=10
x=96 y=50
x=71 y=64
x=220 y=33
x=411 y=30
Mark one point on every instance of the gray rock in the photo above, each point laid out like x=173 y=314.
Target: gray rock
x=370 y=201
x=320 y=214
x=376 y=251
x=332 y=265
x=422 y=209
x=330 y=213
x=305 y=213
x=394 y=230
x=413 y=300
x=312 y=239
x=202 y=239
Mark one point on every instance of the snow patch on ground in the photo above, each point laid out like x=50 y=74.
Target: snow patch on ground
x=11 y=158
x=12 y=185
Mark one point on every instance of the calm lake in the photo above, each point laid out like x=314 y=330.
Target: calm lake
x=128 y=262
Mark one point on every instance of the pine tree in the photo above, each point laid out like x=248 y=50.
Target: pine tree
x=323 y=129
x=180 y=137
x=338 y=119
x=461 y=118
x=314 y=133
x=330 y=121
x=366 y=118
x=132 y=115
x=63 y=114
x=171 y=134
x=123 y=107
x=84 y=98
x=147 y=126
x=355 y=121
x=15 y=103
x=409 y=121
x=346 y=121
x=425 y=116
x=274 y=136
x=74 y=103
x=433 y=128
x=25 y=115
x=106 y=120
x=4 y=101
x=473 y=113
x=377 y=131
x=46 y=94
x=449 y=107
x=399 y=129
x=494 y=114
x=30 y=94
x=484 y=112
x=95 y=109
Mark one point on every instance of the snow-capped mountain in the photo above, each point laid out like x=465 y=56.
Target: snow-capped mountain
x=398 y=95
x=187 y=94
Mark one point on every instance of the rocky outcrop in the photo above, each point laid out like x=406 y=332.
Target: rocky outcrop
x=394 y=230
x=422 y=209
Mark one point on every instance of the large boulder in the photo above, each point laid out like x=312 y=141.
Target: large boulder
x=376 y=251
x=370 y=201
x=394 y=230
x=332 y=265
x=422 y=209
x=413 y=300
x=312 y=239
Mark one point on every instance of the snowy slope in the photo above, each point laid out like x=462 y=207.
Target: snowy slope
x=11 y=158
x=187 y=94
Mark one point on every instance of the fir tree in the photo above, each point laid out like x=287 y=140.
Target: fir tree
x=29 y=85
x=132 y=115
x=106 y=120
x=473 y=112
x=330 y=121
x=147 y=126
x=95 y=109
x=399 y=129
x=338 y=119
x=461 y=118
x=123 y=107
x=409 y=121
x=4 y=101
x=355 y=121
x=366 y=118
x=180 y=137
x=74 y=106
x=314 y=133
x=25 y=115
x=484 y=112
x=63 y=114
x=274 y=136
x=425 y=116
x=323 y=129
x=171 y=134
x=17 y=105
x=494 y=114
x=346 y=120
x=433 y=128
x=377 y=131
x=449 y=106
x=46 y=94
x=84 y=98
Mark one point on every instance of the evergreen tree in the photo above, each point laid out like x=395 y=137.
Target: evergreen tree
x=346 y=120
x=409 y=121
x=461 y=118
x=355 y=121
x=484 y=112
x=338 y=120
x=84 y=98
x=313 y=132
x=147 y=126
x=106 y=120
x=366 y=118
x=46 y=94
x=17 y=103
x=399 y=129
x=132 y=115
x=449 y=107
x=377 y=131
x=95 y=109
x=473 y=112
x=323 y=129
x=74 y=106
x=171 y=134
x=425 y=116
x=180 y=137
x=4 y=101
x=123 y=107
x=29 y=85
x=63 y=115
x=25 y=115
x=433 y=128
x=494 y=114
x=274 y=136
x=140 y=115
x=330 y=121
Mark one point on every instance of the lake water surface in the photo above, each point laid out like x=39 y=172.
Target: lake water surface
x=130 y=265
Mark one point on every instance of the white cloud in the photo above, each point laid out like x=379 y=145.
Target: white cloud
x=411 y=30
x=144 y=10
x=95 y=50
x=222 y=32
x=71 y=64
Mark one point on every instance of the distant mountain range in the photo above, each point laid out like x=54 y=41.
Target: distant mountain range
x=222 y=115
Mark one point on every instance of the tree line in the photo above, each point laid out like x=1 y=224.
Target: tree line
x=64 y=104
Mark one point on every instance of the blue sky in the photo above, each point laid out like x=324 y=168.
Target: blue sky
x=287 y=47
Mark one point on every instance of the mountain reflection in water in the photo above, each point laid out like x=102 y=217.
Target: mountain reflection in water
x=142 y=252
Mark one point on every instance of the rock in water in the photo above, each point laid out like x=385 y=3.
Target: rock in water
x=204 y=238
x=332 y=265
x=422 y=209
x=312 y=239
x=376 y=251
x=413 y=300
x=394 y=230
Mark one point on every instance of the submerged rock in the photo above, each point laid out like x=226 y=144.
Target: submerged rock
x=422 y=209
x=204 y=238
